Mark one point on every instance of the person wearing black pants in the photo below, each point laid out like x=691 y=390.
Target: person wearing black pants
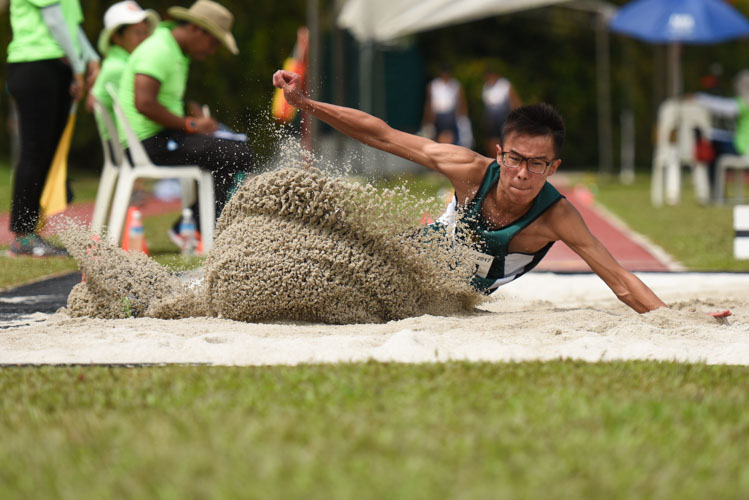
x=152 y=96
x=222 y=157
x=41 y=90
x=48 y=60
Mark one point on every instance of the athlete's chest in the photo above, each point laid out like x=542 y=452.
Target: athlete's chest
x=530 y=239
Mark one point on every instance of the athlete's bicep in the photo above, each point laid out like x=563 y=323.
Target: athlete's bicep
x=447 y=159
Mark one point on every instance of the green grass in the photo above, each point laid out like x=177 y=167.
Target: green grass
x=455 y=430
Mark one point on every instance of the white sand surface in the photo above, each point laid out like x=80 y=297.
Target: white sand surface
x=540 y=316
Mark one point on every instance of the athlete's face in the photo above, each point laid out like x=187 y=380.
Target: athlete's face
x=526 y=161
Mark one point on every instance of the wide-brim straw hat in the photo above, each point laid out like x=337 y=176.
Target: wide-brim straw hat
x=212 y=17
x=121 y=14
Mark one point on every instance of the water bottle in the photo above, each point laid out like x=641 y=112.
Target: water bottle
x=187 y=233
x=135 y=235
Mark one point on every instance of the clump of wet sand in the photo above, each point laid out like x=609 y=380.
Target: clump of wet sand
x=116 y=283
x=292 y=244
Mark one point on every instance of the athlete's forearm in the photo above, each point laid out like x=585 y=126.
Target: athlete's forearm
x=356 y=124
x=638 y=296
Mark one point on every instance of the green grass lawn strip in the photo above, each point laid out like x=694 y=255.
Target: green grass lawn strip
x=455 y=430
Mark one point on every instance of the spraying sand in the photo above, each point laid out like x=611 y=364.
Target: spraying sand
x=292 y=244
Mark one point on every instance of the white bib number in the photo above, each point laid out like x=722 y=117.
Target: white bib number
x=481 y=263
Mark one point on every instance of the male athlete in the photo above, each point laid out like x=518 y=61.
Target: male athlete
x=507 y=202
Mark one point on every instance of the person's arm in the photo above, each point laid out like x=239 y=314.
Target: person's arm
x=428 y=118
x=147 y=103
x=55 y=21
x=515 y=101
x=452 y=161
x=567 y=223
x=725 y=106
x=91 y=57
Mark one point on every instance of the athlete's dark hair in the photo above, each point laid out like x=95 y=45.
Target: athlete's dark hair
x=534 y=120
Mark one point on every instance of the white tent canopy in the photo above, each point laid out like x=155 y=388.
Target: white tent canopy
x=385 y=20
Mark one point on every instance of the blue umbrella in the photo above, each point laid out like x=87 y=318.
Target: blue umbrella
x=680 y=21
x=686 y=21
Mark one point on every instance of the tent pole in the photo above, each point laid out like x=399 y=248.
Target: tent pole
x=603 y=70
x=313 y=69
x=674 y=59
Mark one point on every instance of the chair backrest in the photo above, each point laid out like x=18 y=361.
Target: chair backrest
x=138 y=155
x=692 y=116
x=113 y=153
x=668 y=116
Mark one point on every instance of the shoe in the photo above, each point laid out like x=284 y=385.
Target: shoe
x=33 y=245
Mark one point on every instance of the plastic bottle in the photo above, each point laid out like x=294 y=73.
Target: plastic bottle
x=135 y=235
x=187 y=233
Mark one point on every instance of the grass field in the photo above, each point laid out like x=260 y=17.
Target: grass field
x=455 y=430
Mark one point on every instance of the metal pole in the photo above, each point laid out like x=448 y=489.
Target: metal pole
x=313 y=69
x=603 y=71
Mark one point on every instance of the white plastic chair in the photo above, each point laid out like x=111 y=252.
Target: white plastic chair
x=666 y=156
x=693 y=116
x=726 y=163
x=141 y=166
x=681 y=119
x=113 y=158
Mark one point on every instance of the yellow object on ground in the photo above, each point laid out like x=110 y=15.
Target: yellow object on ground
x=54 y=196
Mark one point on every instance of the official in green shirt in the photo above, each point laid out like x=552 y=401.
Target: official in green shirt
x=152 y=92
x=48 y=58
x=126 y=25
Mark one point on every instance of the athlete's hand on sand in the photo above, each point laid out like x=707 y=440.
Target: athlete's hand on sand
x=291 y=84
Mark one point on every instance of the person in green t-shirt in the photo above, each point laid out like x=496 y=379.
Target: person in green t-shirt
x=152 y=91
x=48 y=60
x=126 y=25
x=735 y=108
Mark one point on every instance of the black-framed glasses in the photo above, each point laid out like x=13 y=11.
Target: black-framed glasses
x=535 y=165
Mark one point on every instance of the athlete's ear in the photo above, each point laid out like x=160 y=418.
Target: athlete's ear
x=499 y=149
x=554 y=166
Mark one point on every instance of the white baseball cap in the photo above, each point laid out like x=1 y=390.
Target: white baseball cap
x=121 y=14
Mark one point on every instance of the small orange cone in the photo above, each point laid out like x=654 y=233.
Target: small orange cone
x=199 y=248
x=133 y=237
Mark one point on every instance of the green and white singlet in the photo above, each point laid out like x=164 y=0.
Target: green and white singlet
x=494 y=265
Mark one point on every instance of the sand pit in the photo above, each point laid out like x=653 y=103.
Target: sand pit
x=540 y=316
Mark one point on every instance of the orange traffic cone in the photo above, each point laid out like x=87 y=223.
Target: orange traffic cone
x=133 y=237
x=199 y=248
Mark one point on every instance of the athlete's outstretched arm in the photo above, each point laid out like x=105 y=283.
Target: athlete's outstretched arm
x=568 y=224
x=372 y=131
